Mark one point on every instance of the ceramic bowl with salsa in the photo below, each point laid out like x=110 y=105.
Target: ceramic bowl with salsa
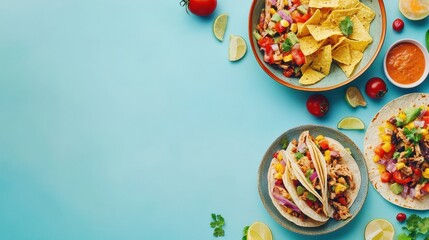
x=406 y=63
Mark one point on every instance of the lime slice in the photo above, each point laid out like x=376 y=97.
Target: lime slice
x=351 y=123
x=379 y=229
x=219 y=26
x=414 y=9
x=237 y=48
x=259 y=231
x=354 y=97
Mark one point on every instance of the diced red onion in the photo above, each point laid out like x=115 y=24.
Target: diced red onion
x=302 y=148
x=335 y=154
x=282 y=162
x=422 y=113
x=419 y=124
x=266 y=58
x=283 y=14
x=391 y=166
x=296 y=46
x=273 y=2
x=289 y=3
x=313 y=176
x=404 y=193
x=382 y=161
x=286 y=202
x=412 y=193
x=275 y=47
x=288 y=18
x=291 y=9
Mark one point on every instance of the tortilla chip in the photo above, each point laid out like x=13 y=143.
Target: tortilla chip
x=336 y=16
x=342 y=54
x=323 y=61
x=314 y=19
x=365 y=15
x=311 y=77
x=355 y=45
x=345 y=4
x=323 y=3
x=356 y=58
x=308 y=60
x=359 y=32
x=309 y=45
x=305 y=2
x=321 y=32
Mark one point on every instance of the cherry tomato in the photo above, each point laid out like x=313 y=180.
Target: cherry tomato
x=324 y=144
x=401 y=217
x=386 y=177
x=279 y=28
x=398 y=25
x=375 y=88
x=200 y=7
x=318 y=105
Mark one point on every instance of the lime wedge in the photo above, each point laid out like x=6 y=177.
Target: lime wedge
x=351 y=123
x=379 y=229
x=354 y=97
x=259 y=231
x=219 y=26
x=237 y=48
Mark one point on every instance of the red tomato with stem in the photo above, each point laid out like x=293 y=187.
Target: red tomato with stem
x=398 y=25
x=375 y=88
x=318 y=105
x=200 y=7
x=401 y=217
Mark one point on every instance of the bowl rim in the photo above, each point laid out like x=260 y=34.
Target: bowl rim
x=303 y=88
x=425 y=55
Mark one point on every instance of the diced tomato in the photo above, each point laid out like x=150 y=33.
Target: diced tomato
x=297 y=56
x=288 y=72
x=426 y=113
x=399 y=178
x=279 y=28
x=379 y=151
x=417 y=172
x=265 y=41
x=426 y=187
x=324 y=144
x=386 y=177
x=308 y=155
x=300 y=18
x=279 y=182
x=271 y=57
x=297 y=2
x=275 y=154
x=309 y=203
x=342 y=201
x=426 y=119
x=391 y=152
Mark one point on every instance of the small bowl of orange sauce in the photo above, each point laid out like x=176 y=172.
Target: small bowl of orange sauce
x=406 y=63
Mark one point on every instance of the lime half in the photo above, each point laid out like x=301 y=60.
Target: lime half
x=354 y=97
x=351 y=123
x=237 y=48
x=219 y=26
x=259 y=231
x=379 y=229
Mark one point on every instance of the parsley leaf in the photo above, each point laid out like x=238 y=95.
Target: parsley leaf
x=346 y=26
x=245 y=232
x=404 y=236
x=287 y=45
x=217 y=223
x=415 y=226
x=413 y=134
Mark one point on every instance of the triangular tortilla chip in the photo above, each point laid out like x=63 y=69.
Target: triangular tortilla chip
x=345 y=4
x=323 y=61
x=323 y=3
x=356 y=58
x=311 y=77
x=342 y=54
x=365 y=15
x=309 y=45
x=314 y=19
x=321 y=32
x=336 y=16
x=359 y=32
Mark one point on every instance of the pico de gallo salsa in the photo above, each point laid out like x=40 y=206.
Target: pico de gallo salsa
x=403 y=154
x=276 y=34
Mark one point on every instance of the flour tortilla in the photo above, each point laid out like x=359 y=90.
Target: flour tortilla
x=372 y=140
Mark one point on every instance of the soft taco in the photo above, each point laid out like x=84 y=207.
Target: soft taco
x=304 y=180
x=342 y=176
x=397 y=151
x=282 y=198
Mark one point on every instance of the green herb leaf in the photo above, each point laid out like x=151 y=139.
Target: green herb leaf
x=245 y=232
x=346 y=26
x=427 y=39
x=217 y=223
x=298 y=155
x=287 y=45
x=404 y=236
x=423 y=225
x=413 y=134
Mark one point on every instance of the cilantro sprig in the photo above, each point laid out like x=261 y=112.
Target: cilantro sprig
x=413 y=134
x=346 y=26
x=416 y=226
x=217 y=224
x=245 y=232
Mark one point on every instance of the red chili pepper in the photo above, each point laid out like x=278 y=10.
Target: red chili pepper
x=399 y=178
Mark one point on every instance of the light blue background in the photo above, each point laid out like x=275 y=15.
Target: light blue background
x=123 y=119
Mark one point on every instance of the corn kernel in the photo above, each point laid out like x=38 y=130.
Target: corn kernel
x=390 y=126
x=278 y=176
x=386 y=138
x=279 y=168
x=400 y=165
x=376 y=158
x=381 y=129
x=284 y=23
x=294 y=27
x=339 y=188
x=327 y=152
x=280 y=156
x=426 y=173
x=426 y=137
x=402 y=116
x=288 y=210
x=424 y=131
x=410 y=125
x=287 y=58
x=272 y=11
x=387 y=147
x=381 y=168
x=319 y=137
x=328 y=159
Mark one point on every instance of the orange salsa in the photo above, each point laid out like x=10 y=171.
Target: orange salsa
x=405 y=63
